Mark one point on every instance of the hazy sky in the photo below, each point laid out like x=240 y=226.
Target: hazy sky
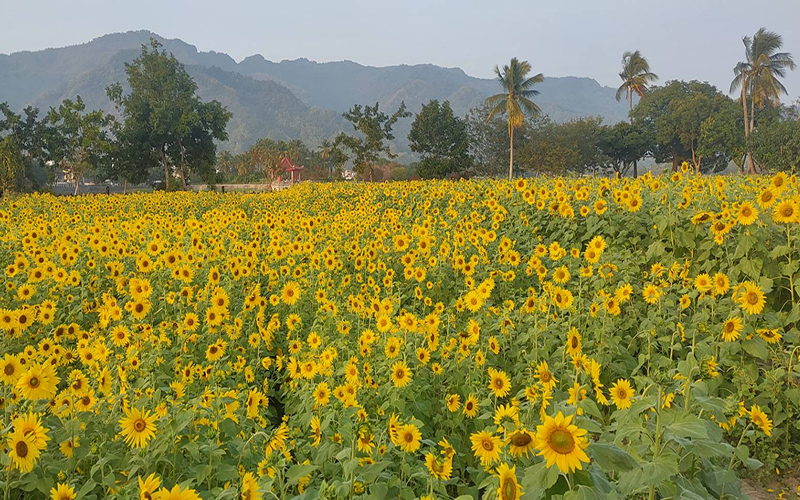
x=686 y=39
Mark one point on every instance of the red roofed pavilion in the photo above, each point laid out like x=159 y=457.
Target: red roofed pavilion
x=288 y=166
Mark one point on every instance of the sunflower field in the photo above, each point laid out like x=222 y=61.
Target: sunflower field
x=575 y=338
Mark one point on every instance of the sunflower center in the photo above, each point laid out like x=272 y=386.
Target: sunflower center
x=408 y=437
x=752 y=298
x=508 y=491
x=400 y=373
x=34 y=382
x=139 y=425
x=562 y=441
x=8 y=369
x=622 y=394
x=521 y=439
x=22 y=449
x=574 y=342
x=488 y=445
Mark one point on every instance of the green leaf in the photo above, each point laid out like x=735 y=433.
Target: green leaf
x=539 y=476
x=612 y=458
x=649 y=474
x=299 y=471
x=757 y=347
x=582 y=493
x=688 y=429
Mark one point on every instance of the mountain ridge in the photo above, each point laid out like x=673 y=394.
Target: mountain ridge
x=276 y=89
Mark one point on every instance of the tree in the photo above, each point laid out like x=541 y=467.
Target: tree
x=164 y=115
x=759 y=76
x=324 y=151
x=557 y=148
x=636 y=76
x=11 y=166
x=30 y=136
x=515 y=101
x=488 y=140
x=375 y=129
x=79 y=141
x=776 y=145
x=441 y=139
x=625 y=144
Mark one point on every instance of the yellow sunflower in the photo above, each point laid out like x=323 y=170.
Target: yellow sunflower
x=401 y=375
x=486 y=446
x=499 y=383
x=621 y=394
x=508 y=488
x=138 y=427
x=562 y=443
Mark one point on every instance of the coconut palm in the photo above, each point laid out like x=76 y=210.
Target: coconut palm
x=325 y=148
x=515 y=101
x=635 y=75
x=759 y=75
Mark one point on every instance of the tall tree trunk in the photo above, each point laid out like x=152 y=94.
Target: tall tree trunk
x=744 y=105
x=183 y=166
x=674 y=161
x=630 y=106
x=635 y=169
x=751 y=169
x=166 y=168
x=125 y=186
x=511 y=153
x=77 y=184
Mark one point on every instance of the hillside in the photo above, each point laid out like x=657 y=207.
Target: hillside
x=283 y=100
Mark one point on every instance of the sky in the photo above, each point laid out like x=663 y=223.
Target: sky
x=682 y=39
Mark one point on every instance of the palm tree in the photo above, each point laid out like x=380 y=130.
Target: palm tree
x=636 y=76
x=515 y=101
x=324 y=153
x=758 y=75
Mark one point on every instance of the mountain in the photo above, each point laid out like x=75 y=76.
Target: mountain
x=284 y=100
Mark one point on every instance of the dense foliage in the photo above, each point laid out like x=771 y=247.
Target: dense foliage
x=579 y=337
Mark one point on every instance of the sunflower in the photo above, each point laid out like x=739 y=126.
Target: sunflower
x=10 y=369
x=471 y=406
x=732 y=329
x=62 y=491
x=499 y=383
x=439 y=469
x=771 y=336
x=486 y=446
x=751 y=299
x=651 y=294
x=786 y=212
x=520 y=442
x=31 y=426
x=621 y=394
x=22 y=451
x=766 y=199
x=290 y=293
x=562 y=443
x=250 y=490
x=721 y=283
x=409 y=437
x=703 y=282
x=401 y=375
x=453 y=402
x=504 y=413
x=38 y=382
x=176 y=493
x=761 y=420
x=508 y=488
x=747 y=213
x=316 y=431
x=322 y=394
x=545 y=376
x=562 y=297
x=278 y=440
x=138 y=427
x=573 y=342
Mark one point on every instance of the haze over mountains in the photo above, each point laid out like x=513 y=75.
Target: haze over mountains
x=297 y=99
